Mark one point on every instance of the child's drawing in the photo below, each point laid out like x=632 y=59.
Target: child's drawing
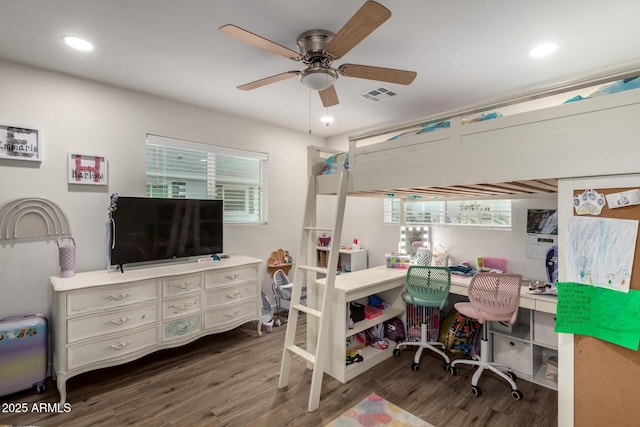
x=601 y=250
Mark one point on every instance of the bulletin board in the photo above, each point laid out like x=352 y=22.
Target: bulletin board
x=607 y=376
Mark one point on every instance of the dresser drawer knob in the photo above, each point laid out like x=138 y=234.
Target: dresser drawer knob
x=233 y=313
x=234 y=294
x=118 y=297
x=119 y=321
x=232 y=276
x=119 y=346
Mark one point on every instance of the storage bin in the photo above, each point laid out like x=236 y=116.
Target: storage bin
x=397 y=260
x=513 y=353
x=357 y=311
x=551 y=372
x=503 y=326
x=544 y=325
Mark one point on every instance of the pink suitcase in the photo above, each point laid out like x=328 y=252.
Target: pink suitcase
x=23 y=353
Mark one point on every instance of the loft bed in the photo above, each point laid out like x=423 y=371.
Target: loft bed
x=512 y=155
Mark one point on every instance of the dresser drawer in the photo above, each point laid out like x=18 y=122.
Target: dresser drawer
x=221 y=317
x=181 y=328
x=230 y=294
x=79 y=328
x=112 y=347
x=110 y=297
x=180 y=306
x=229 y=276
x=178 y=285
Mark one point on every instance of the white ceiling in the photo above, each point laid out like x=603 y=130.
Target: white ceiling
x=465 y=52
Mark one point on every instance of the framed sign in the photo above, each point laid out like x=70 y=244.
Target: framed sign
x=87 y=169
x=18 y=143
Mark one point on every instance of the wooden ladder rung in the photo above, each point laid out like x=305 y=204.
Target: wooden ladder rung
x=313 y=268
x=302 y=353
x=305 y=309
x=318 y=229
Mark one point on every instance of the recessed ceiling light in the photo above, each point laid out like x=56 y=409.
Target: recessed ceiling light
x=543 y=50
x=78 y=43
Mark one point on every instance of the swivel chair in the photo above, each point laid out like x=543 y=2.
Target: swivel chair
x=427 y=287
x=492 y=297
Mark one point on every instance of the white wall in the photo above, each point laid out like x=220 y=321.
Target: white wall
x=84 y=117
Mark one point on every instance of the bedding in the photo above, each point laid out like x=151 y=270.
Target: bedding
x=335 y=164
x=617 y=86
x=428 y=128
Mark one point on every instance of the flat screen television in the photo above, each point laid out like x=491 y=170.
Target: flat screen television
x=154 y=229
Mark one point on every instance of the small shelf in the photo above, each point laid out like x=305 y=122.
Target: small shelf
x=372 y=356
x=365 y=324
x=539 y=378
x=520 y=333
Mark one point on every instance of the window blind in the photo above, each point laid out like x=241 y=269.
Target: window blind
x=185 y=169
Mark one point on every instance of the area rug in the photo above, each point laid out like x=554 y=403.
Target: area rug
x=375 y=411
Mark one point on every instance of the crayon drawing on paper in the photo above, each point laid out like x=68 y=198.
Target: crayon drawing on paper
x=600 y=251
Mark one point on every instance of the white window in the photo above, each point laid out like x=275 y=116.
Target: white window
x=472 y=213
x=184 y=169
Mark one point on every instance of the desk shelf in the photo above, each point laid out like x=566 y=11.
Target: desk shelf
x=527 y=348
x=365 y=324
x=386 y=283
x=372 y=356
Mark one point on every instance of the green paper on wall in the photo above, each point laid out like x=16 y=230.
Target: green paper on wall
x=599 y=312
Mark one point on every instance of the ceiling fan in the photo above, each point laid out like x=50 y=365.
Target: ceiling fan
x=319 y=48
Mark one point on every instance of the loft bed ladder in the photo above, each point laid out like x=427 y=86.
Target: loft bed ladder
x=306 y=268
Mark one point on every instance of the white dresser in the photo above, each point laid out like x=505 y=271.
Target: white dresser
x=103 y=319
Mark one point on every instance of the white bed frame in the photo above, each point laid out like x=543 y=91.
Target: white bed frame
x=592 y=137
x=596 y=137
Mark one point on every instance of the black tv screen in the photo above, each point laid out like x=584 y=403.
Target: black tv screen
x=154 y=229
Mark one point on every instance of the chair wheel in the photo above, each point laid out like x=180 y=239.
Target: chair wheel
x=453 y=370
x=396 y=352
x=415 y=366
x=512 y=375
x=446 y=366
x=517 y=395
x=476 y=390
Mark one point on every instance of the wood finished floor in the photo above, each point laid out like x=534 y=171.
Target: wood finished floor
x=231 y=379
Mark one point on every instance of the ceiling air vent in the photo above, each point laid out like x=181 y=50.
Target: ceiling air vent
x=378 y=94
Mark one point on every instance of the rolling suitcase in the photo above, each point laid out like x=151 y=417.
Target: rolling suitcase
x=23 y=353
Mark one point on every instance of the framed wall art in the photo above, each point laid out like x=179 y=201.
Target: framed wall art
x=18 y=143
x=87 y=169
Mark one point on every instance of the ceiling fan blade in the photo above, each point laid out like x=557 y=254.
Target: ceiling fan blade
x=329 y=97
x=389 y=75
x=369 y=17
x=255 y=40
x=268 y=80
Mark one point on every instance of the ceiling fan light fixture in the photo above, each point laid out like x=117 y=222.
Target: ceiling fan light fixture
x=318 y=78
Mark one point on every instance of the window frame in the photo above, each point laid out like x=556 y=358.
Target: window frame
x=398 y=208
x=254 y=183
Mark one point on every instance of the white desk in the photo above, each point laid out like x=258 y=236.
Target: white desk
x=388 y=283
x=536 y=302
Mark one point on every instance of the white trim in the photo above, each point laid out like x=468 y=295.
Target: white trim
x=200 y=146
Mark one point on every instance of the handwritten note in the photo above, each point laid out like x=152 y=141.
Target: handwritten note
x=599 y=312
